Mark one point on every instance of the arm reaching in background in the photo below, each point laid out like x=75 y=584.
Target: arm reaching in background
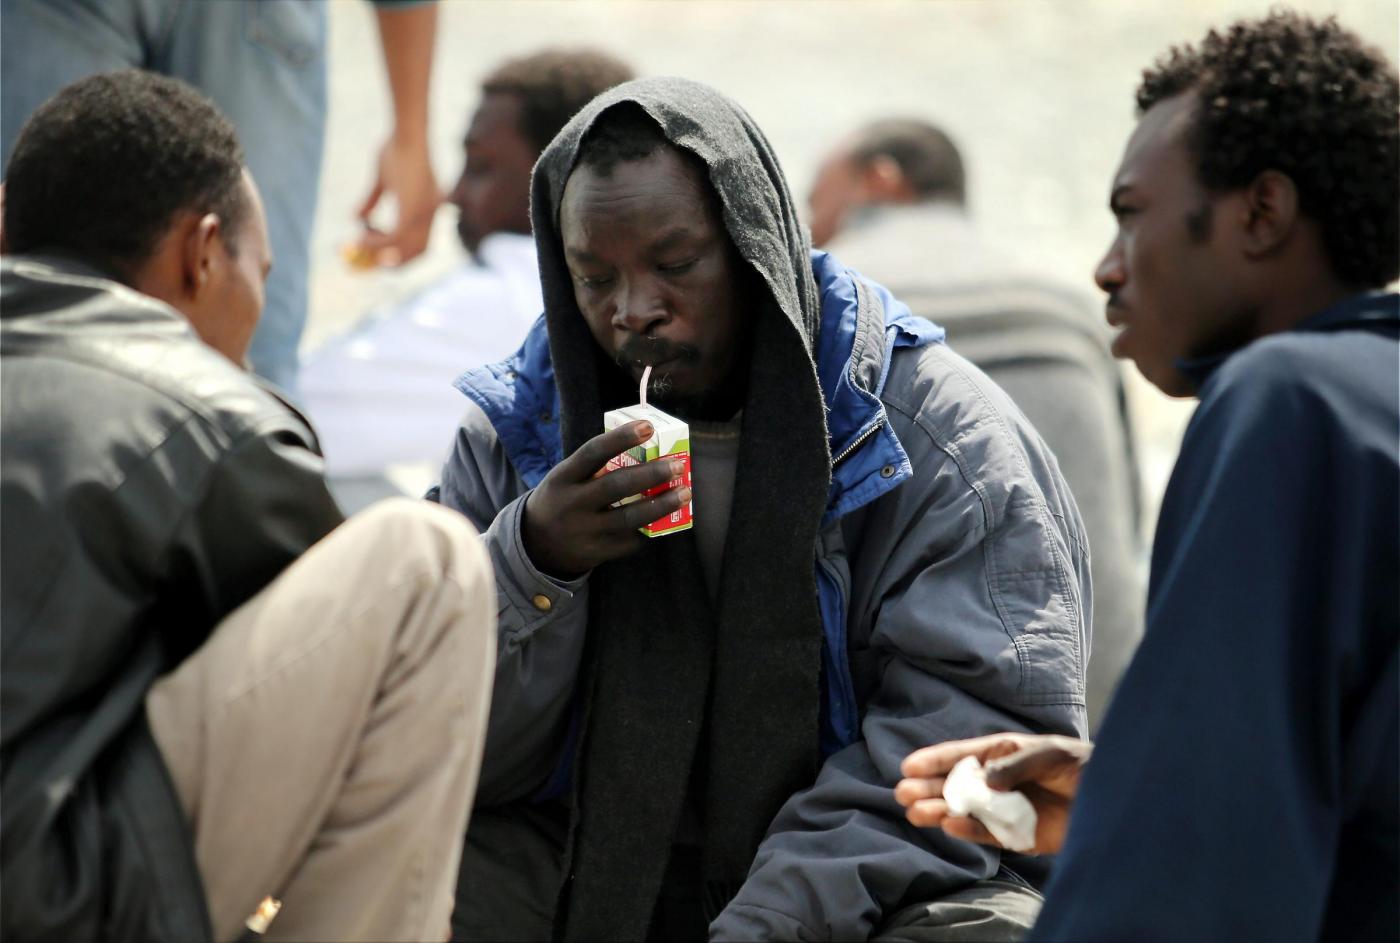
x=404 y=169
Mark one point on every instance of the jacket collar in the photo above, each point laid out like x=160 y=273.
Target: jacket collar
x=861 y=325
x=1368 y=310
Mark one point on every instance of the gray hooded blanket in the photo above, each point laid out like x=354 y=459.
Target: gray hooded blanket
x=684 y=698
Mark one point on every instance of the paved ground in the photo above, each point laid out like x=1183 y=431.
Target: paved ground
x=1038 y=93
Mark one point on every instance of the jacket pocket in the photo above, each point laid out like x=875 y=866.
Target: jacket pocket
x=293 y=31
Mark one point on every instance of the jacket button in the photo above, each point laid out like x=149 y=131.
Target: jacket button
x=887 y=471
x=542 y=602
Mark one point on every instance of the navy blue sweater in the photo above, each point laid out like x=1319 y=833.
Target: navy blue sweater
x=1244 y=785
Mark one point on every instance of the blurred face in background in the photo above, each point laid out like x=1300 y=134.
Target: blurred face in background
x=837 y=191
x=493 y=192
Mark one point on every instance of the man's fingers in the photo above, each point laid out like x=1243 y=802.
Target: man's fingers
x=934 y=813
x=909 y=791
x=938 y=760
x=1040 y=758
x=643 y=512
x=613 y=486
x=368 y=204
x=590 y=458
x=968 y=829
x=376 y=246
x=927 y=813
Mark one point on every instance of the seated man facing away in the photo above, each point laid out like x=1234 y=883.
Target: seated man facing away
x=214 y=690
x=381 y=395
x=889 y=201
x=1245 y=784
x=698 y=733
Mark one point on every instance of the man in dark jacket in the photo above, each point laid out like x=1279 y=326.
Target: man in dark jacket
x=1245 y=782
x=890 y=202
x=698 y=733
x=214 y=692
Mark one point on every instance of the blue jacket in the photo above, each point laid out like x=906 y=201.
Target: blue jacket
x=1245 y=781
x=954 y=587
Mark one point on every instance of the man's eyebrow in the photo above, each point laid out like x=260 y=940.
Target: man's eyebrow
x=580 y=255
x=671 y=238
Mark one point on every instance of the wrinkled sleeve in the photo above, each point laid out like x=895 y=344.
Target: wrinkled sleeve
x=542 y=621
x=971 y=588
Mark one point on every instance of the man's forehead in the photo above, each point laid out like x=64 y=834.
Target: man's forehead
x=664 y=170
x=498 y=112
x=1160 y=134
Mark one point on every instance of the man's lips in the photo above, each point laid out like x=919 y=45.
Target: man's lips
x=658 y=366
x=1116 y=346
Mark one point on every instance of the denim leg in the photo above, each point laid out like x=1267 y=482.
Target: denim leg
x=47 y=44
x=264 y=64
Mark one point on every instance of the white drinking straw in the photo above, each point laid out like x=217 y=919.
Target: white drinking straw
x=646 y=375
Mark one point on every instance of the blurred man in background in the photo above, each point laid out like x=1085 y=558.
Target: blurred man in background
x=382 y=395
x=1245 y=782
x=890 y=201
x=214 y=690
x=264 y=65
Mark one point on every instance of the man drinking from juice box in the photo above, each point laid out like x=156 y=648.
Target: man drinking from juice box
x=696 y=733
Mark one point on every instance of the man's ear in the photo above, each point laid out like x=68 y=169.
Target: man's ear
x=883 y=181
x=199 y=259
x=1271 y=212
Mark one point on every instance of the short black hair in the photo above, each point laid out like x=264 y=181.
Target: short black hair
x=925 y=154
x=624 y=132
x=553 y=85
x=1308 y=99
x=101 y=169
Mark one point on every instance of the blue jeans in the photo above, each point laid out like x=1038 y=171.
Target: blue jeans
x=263 y=62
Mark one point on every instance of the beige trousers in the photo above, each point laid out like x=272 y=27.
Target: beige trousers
x=325 y=742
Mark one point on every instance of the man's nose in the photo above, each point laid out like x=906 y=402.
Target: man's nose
x=640 y=307
x=1110 y=273
x=456 y=194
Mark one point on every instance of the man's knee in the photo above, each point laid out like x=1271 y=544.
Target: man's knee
x=988 y=910
x=421 y=532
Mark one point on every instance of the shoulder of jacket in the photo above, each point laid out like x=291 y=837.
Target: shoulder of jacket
x=943 y=390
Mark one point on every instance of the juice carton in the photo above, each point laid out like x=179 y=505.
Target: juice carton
x=670 y=439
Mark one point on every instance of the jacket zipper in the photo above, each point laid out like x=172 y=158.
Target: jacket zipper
x=857 y=443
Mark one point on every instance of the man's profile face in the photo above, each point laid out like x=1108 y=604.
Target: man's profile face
x=493 y=192
x=834 y=194
x=242 y=275
x=1173 y=281
x=657 y=278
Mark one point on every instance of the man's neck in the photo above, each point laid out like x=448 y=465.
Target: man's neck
x=1296 y=300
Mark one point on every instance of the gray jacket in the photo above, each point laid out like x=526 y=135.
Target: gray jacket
x=966 y=605
x=1044 y=345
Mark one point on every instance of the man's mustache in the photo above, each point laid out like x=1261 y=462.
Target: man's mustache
x=649 y=351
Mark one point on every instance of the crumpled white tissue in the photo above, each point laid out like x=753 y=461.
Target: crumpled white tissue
x=1009 y=816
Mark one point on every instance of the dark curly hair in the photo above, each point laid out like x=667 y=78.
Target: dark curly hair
x=925 y=154
x=101 y=168
x=1310 y=100
x=554 y=85
x=625 y=132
